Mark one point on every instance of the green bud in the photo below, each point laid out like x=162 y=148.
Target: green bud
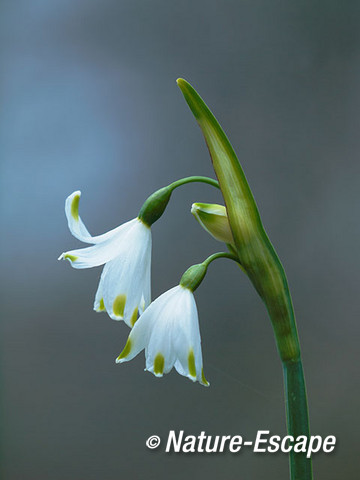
x=213 y=218
x=155 y=205
x=193 y=276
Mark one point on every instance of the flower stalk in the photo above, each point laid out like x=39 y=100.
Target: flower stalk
x=154 y=206
x=194 y=275
x=263 y=267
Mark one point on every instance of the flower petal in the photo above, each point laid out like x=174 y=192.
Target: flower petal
x=76 y=225
x=146 y=294
x=137 y=340
x=140 y=334
x=103 y=252
x=187 y=341
x=126 y=278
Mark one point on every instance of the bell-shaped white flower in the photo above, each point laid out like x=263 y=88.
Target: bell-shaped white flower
x=168 y=330
x=124 y=288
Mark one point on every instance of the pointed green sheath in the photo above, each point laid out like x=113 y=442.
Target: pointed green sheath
x=261 y=264
x=253 y=247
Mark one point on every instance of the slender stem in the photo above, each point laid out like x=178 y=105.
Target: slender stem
x=295 y=393
x=297 y=417
x=196 y=273
x=183 y=181
x=154 y=206
x=214 y=256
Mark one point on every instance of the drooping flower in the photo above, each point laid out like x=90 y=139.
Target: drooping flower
x=124 y=288
x=169 y=332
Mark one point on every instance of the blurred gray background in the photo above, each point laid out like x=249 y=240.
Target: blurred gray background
x=89 y=102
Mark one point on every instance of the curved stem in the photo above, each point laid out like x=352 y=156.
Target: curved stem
x=194 y=275
x=215 y=256
x=183 y=181
x=154 y=206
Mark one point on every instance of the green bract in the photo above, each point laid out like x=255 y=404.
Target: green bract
x=255 y=252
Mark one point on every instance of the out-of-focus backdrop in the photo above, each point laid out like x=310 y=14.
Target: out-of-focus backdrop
x=89 y=102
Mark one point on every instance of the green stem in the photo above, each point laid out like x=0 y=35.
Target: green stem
x=215 y=256
x=183 y=181
x=195 y=274
x=154 y=206
x=261 y=264
x=297 y=417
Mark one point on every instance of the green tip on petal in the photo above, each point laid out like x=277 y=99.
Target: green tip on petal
x=72 y=258
x=75 y=207
x=119 y=305
x=101 y=307
x=191 y=363
x=159 y=363
x=134 y=317
x=203 y=379
x=125 y=352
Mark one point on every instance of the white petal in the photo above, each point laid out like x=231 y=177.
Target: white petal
x=146 y=294
x=159 y=353
x=186 y=339
x=102 y=252
x=76 y=225
x=138 y=338
x=99 y=305
x=127 y=276
x=143 y=328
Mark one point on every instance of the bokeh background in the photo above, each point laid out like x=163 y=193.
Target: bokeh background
x=89 y=102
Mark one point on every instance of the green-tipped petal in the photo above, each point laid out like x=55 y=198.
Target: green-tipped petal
x=125 y=352
x=159 y=363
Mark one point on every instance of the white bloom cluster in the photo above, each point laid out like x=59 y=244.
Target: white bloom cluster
x=168 y=328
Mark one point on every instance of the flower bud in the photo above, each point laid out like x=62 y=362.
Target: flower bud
x=213 y=218
x=155 y=205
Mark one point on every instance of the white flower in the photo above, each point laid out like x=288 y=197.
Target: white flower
x=169 y=332
x=124 y=288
